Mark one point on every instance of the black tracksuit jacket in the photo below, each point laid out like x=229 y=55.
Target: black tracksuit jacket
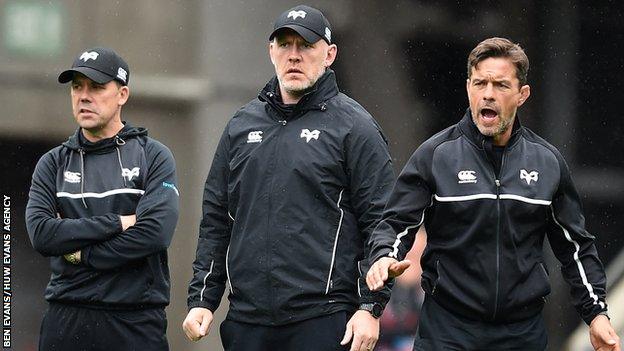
x=289 y=205
x=485 y=232
x=78 y=191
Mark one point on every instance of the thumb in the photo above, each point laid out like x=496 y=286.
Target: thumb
x=398 y=268
x=347 y=335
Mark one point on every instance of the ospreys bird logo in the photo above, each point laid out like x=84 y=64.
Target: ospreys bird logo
x=528 y=176
x=294 y=14
x=126 y=173
x=309 y=135
x=86 y=56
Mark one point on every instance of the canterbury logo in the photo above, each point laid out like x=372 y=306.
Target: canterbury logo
x=466 y=177
x=528 y=176
x=71 y=177
x=254 y=137
x=122 y=74
x=294 y=14
x=127 y=173
x=309 y=135
x=86 y=56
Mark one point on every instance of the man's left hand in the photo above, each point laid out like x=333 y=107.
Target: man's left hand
x=363 y=328
x=602 y=335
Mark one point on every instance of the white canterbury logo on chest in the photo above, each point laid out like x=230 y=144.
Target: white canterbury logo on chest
x=466 y=176
x=254 y=137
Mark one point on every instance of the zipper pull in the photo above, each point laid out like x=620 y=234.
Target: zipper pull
x=283 y=122
x=497 y=182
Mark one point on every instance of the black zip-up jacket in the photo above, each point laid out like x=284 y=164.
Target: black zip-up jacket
x=483 y=258
x=289 y=205
x=78 y=191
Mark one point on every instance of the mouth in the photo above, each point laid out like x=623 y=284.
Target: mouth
x=85 y=111
x=294 y=71
x=488 y=114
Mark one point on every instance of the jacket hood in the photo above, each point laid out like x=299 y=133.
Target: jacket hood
x=77 y=142
x=324 y=89
x=469 y=128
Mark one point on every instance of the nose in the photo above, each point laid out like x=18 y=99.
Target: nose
x=488 y=93
x=294 y=55
x=85 y=94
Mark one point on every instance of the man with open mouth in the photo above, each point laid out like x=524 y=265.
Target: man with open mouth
x=488 y=192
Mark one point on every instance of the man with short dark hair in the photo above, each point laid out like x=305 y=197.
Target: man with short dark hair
x=297 y=184
x=103 y=206
x=488 y=190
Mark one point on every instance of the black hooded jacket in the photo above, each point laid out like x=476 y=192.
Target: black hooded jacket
x=485 y=231
x=78 y=192
x=289 y=205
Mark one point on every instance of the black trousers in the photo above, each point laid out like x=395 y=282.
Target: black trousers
x=317 y=334
x=440 y=329
x=69 y=328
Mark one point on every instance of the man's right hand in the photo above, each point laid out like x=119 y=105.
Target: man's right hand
x=197 y=323
x=384 y=268
x=127 y=221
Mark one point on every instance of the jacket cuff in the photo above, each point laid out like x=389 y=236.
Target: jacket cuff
x=203 y=304
x=591 y=316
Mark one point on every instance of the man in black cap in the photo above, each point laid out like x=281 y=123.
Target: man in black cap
x=103 y=206
x=298 y=182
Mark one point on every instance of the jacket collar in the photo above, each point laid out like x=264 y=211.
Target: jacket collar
x=77 y=141
x=324 y=89
x=469 y=129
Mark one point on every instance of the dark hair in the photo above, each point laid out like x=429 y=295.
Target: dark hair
x=500 y=47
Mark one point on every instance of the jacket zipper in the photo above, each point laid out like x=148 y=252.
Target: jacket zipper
x=498 y=223
x=268 y=239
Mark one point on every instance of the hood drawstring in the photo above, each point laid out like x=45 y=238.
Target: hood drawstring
x=82 y=177
x=119 y=141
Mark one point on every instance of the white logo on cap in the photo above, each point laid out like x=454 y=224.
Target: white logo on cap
x=122 y=74
x=328 y=34
x=89 y=55
x=294 y=14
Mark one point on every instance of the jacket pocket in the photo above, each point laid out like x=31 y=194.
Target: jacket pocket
x=437 y=278
x=227 y=270
x=335 y=246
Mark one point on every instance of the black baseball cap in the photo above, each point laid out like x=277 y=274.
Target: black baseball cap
x=307 y=21
x=100 y=65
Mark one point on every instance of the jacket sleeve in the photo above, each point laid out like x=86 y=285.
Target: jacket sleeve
x=209 y=268
x=371 y=176
x=574 y=248
x=53 y=236
x=156 y=216
x=405 y=211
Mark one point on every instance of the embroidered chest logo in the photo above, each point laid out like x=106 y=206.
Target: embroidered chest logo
x=254 y=137
x=466 y=177
x=528 y=176
x=309 y=135
x=130 y=173
x=294 y=14
x=72 y=177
